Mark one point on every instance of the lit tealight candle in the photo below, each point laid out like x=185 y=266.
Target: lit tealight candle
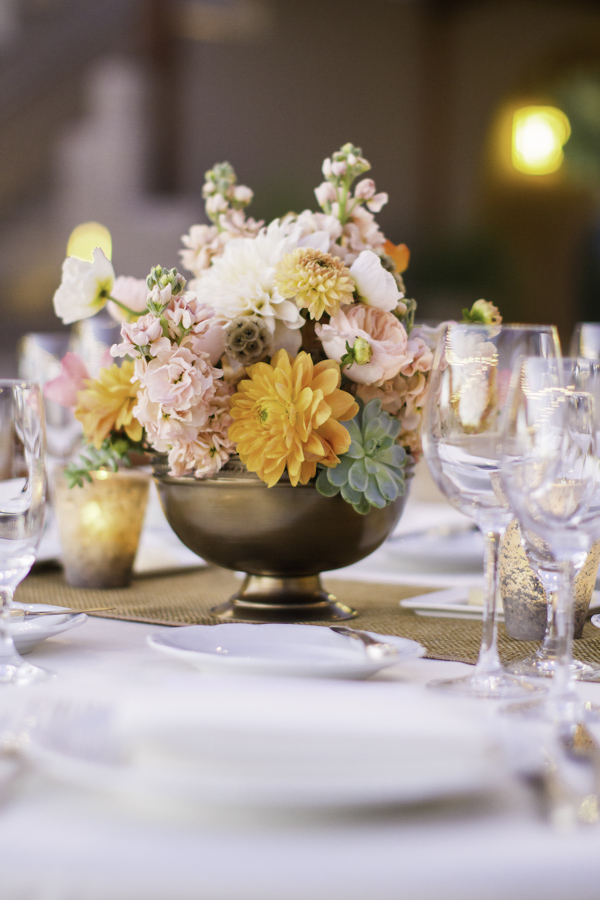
x=100 y=525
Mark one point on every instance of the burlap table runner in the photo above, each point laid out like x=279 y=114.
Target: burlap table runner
x=185 y=598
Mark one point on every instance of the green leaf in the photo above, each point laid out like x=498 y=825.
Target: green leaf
x=324 y=485
x=386 y=483
x=339 y=475
x=371 y=411
x=394 y=456
x=350 y=495
x=353 y=429
x=357 y=475
x=363 y=506
x=374 y=495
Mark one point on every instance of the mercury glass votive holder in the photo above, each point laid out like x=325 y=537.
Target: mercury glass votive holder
x=100 y=526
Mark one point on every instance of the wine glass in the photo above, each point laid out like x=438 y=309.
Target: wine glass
x=551 y=474
x=542 y=663
x=39 y=357
x=22 y=504
x=468 y=389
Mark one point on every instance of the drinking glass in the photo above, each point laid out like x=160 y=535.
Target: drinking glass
x=461 y=433
x=542 y=663
x=551 y=474
x=22 y=503
x=585 y=341
x=39 y=357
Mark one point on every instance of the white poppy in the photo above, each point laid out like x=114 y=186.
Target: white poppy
x=374 y=284
x=84 y=288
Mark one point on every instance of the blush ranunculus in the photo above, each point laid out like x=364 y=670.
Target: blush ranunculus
x=383 y=332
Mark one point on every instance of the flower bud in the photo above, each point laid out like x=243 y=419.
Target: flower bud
x=483 y=312
x=365 y=189
x=362 y=351
x=325 y=194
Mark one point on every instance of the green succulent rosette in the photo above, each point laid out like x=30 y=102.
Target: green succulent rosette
x=371 y=472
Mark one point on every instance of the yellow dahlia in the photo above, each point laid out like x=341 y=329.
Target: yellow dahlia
x=288 y=413
x=107 y=402
x=318 y=281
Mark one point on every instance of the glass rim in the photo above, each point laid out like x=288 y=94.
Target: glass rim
x=18 y=382
x=504 y=325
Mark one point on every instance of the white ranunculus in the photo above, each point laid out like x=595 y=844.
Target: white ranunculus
x=84 y=287
x=374 y=284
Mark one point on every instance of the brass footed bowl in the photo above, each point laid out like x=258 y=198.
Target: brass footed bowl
x=282 y=538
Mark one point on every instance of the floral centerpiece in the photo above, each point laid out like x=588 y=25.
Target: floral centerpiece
x=292 y=345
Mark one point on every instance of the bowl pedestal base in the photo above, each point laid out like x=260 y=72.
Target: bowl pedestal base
x=271 y=598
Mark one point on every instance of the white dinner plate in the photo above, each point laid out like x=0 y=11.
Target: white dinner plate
x=260 y=750
x=279 y=649
x=28 y=633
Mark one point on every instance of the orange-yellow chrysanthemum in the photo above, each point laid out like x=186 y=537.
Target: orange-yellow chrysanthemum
x=317 y=281
x=106 y=404
x=288 y=413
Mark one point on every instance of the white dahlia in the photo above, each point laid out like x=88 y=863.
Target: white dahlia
x=241 y=282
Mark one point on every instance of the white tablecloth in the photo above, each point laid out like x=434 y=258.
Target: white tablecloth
x=58 y=842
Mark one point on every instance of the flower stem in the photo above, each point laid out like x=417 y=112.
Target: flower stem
x=131 y=313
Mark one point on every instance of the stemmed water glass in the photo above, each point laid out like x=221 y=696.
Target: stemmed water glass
x=551 y=474
x=22 y=504
x=461 y=433
x=542 y=663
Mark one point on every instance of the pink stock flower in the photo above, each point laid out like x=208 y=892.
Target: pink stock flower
x=376 y=203
x=71 y=379
x=383 y=332
x=325 y=193
x=145 y=335
x=362 y=232
x=175 y=378
x=211 y=447
x=421 y=356
x=365 y=189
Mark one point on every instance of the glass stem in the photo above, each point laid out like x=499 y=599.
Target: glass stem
x=562 y=681
x=7 y=646
x=548 y=648
x=489 y=661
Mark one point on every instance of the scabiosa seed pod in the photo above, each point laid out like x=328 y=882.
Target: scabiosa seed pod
x=248 y=340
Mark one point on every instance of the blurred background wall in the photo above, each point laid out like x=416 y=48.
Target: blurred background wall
x=112 y=110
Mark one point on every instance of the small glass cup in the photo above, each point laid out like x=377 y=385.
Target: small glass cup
x=100 y=525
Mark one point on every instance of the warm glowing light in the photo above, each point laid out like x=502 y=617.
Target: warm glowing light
x=86 y=237
x=538 y=136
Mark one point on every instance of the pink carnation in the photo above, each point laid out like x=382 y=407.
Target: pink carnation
x=382 y=331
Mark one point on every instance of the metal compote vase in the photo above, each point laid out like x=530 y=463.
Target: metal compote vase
x=282 y=537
